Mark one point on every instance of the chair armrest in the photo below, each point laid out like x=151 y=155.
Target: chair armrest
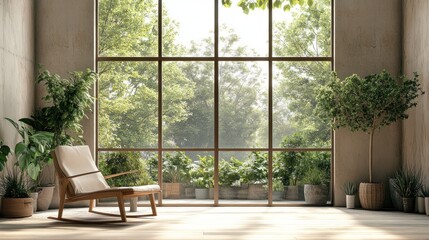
x=120 y=174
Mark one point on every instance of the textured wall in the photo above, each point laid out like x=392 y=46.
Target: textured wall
x=416 y=59
x=16 y=64
x=65 y=42
x=367 y=40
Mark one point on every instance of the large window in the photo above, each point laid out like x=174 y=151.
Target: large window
x=216 y=103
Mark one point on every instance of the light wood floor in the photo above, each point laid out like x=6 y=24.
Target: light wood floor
x=227 y=223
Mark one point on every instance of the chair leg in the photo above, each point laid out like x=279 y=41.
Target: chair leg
x=121 y=206
x=152 y=204
x=61 y=205
x=91 y=205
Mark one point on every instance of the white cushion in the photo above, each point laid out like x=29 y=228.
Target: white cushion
x=145 y=188
x=76 y=160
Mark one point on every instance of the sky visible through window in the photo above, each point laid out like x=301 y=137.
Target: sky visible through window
x=251 y=28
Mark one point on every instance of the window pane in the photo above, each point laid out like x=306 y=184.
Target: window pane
x=243 y=176
x=128 y=104
x=128 y=28
x=242 y=34
x=189 y=26
x=295 y=121
x=188 y=175
x=303 y=31
x=243 y=104
x=188 y=110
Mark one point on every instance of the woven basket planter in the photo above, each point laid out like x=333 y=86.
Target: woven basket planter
x=371 y=195
x=17 y=207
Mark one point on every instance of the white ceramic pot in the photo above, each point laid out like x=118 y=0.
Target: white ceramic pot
x=45 y=198
x=350 y=201
x=427 y=205
x=34 y=196
x=421 y=204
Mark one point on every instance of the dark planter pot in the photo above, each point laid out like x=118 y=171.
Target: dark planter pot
x=394 y=195
x=408 y=204
x=371 y=195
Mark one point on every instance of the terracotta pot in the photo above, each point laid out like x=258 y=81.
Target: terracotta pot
x=17 y=207
x=371 y=195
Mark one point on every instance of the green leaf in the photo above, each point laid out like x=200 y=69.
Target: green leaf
x=20 y=148
x=33 y=170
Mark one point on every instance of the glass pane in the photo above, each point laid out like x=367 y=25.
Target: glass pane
x=243 y=177
x=243 y=104
x=128 y=28
x=293 y=170
x=188 y=29
x=128 y=104
x=241 y=34
x=295 y=87
x=304 y=31
x=188 y=110
x=188 y=175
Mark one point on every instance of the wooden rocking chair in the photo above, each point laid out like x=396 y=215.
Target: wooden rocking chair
x=80 y=179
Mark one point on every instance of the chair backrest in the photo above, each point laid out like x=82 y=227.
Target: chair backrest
x=78 y=166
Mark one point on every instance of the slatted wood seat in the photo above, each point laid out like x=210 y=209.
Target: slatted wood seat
x=80 y=179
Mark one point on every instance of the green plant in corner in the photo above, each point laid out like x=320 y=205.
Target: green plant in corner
x=350 y=188
x=14 y=185
x=407 y=183
x=32 y=153
x=68 y=100
x=4 y=152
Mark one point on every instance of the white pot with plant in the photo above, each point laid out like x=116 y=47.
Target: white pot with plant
x=367 y=104
x=350 y=190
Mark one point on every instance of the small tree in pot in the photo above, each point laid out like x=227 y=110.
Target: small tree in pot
x=366 y=104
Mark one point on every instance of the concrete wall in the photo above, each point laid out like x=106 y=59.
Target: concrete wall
x=17 y=62
x=65 y=42
x=415 y=139
x=367 y=40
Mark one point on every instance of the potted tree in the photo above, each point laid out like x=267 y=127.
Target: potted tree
x=408 y=185
x=67 y=101
x=367 y=104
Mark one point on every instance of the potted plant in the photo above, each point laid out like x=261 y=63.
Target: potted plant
x=407 y=184
x=32 y=155
x=229 y=177
x=291 y=166
x=67 y=100
x=350 y=190
x=254 y=171
x=367 y=104
x=278 y=190
x=16 y=201
x=315 y=189
x=202 y=177
x=176 y=171
x=420 y=201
